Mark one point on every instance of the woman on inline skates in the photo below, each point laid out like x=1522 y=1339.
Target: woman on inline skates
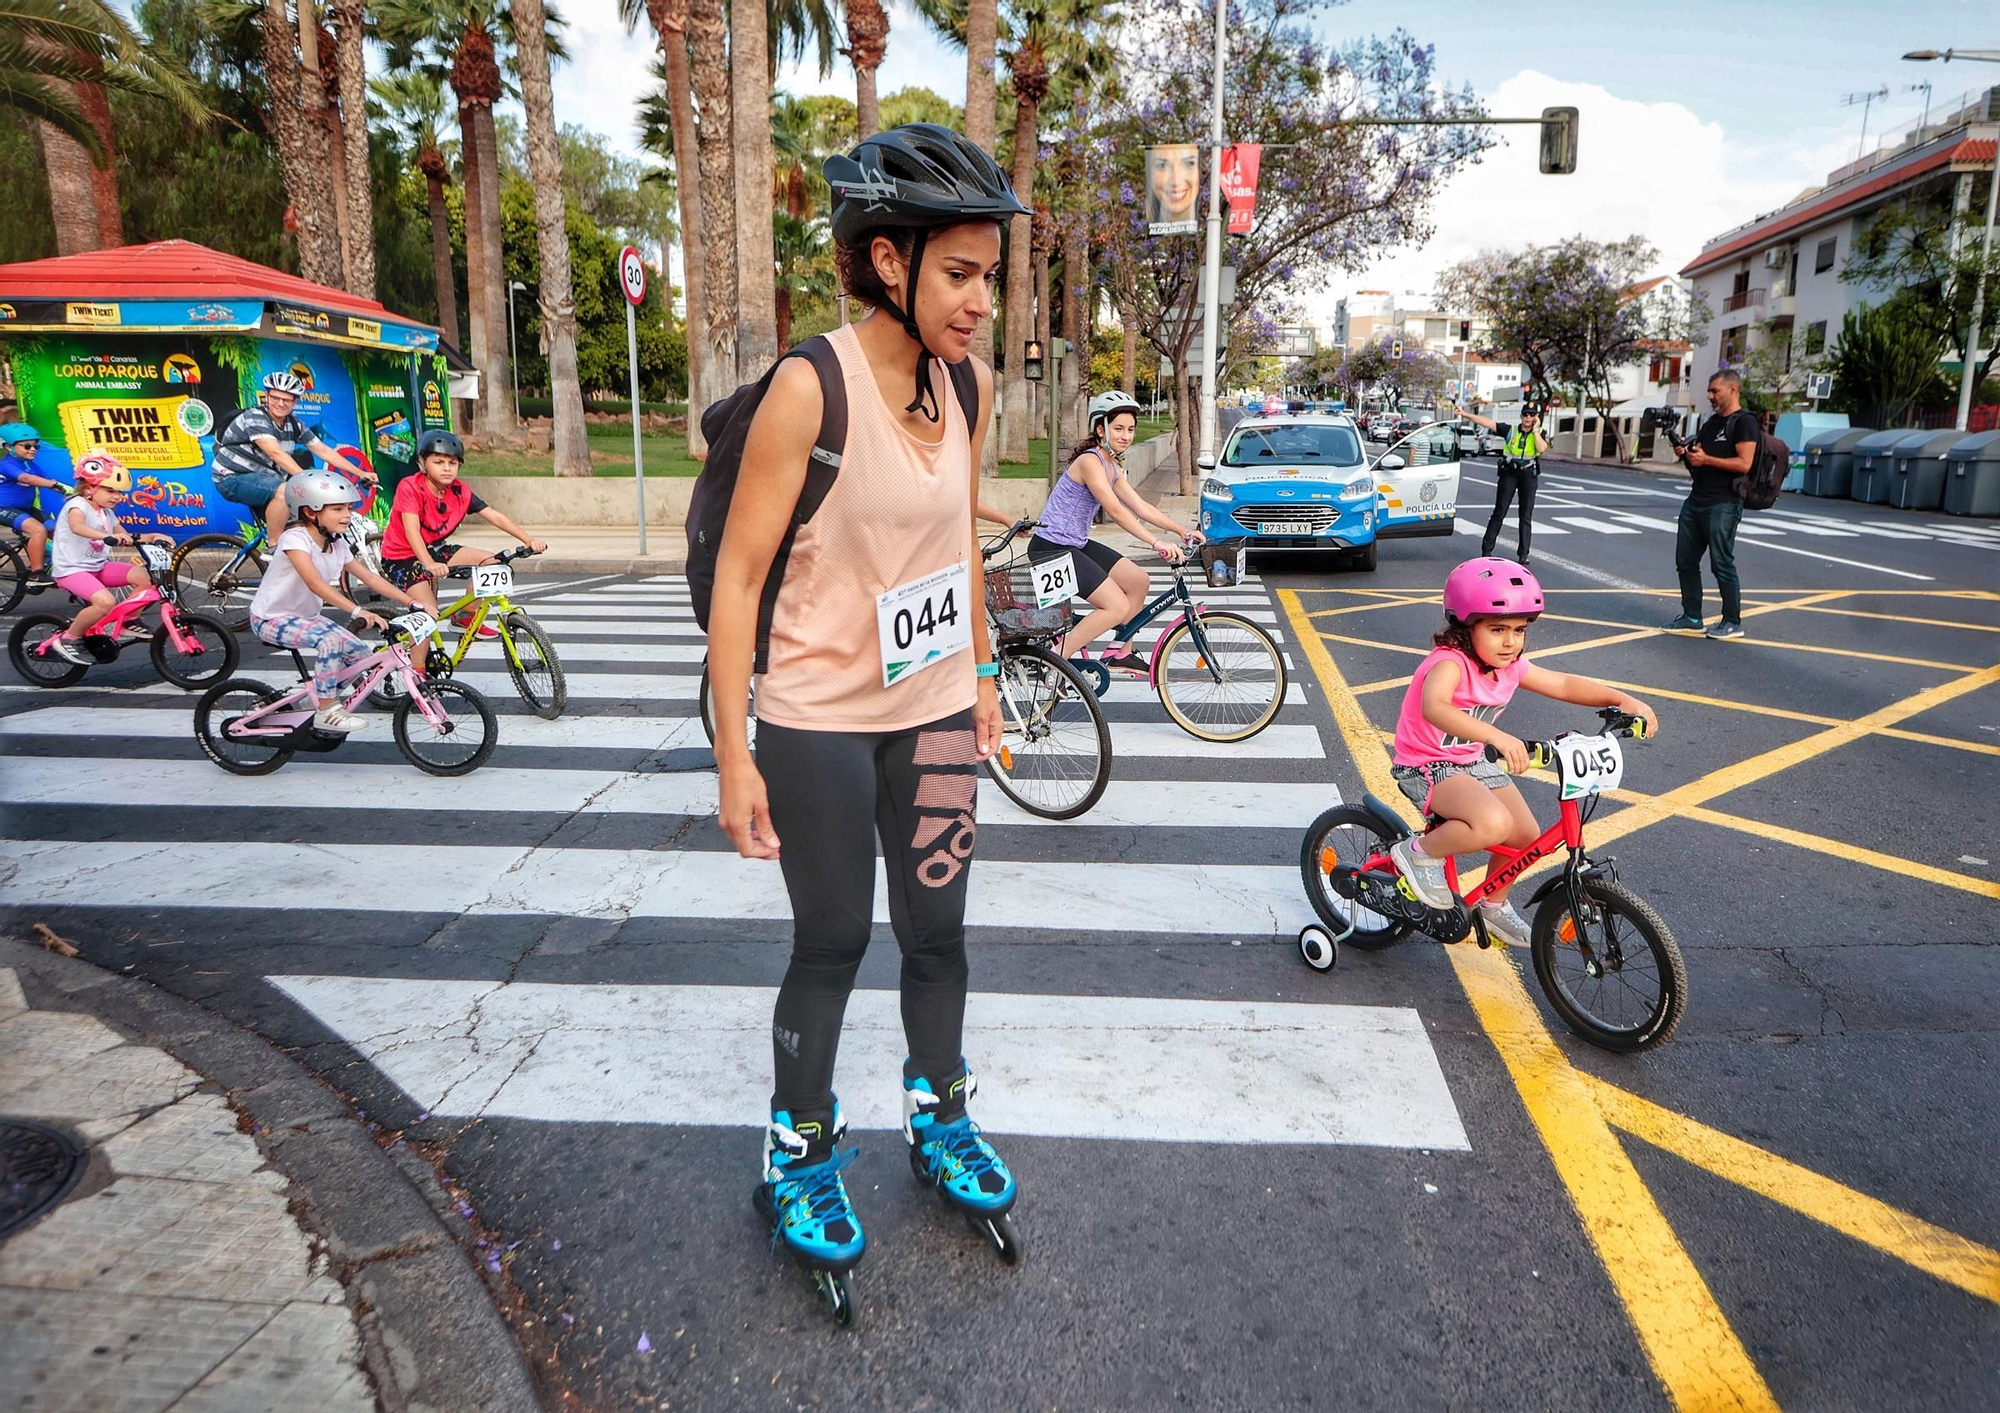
x=871 y=723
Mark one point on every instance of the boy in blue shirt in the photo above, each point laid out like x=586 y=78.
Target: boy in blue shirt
x=18 y=484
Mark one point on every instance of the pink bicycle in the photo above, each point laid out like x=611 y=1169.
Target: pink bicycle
x=442 y=727
x=189 y=649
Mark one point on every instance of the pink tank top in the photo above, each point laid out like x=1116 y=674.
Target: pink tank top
x=1478 y=694
x=899 y=510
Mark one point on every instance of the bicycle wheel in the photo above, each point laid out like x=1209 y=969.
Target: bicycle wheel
x=1220 y=677
x=217 y=574
x=537 y=673
x=42 y=669
x=461 y=744
x=1615 y=975
x=13 y=578
x=222 y=704
x=708 y=709
x=1347 y=834
x=212 y=653
x=1055 y=749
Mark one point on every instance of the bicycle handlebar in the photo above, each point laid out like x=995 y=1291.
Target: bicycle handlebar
x=1542 y=754
x=1000 y=542
x=464 y=571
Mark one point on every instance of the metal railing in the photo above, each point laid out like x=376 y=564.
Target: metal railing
x=1743 y=299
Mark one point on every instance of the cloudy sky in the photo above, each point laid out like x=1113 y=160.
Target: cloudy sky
x=1695 y=116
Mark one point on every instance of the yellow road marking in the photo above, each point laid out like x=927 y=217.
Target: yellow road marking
x=1687 y=1338
x=1365 y=607
x=1849 y=652
x=1904 y=618
x=1948 y=1256
x=1841 y=849
x=1920 y=737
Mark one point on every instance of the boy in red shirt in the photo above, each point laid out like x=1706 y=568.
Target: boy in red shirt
x=416 y=546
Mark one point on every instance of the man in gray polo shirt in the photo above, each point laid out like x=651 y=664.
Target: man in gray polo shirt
x=253 y=456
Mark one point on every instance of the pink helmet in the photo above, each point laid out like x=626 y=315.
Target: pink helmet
x=1491 y=588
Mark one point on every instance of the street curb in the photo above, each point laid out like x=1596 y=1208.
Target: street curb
x=553 y=564
x=431 y=1337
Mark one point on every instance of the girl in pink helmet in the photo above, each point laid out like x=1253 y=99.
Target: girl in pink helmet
x=1447 y=722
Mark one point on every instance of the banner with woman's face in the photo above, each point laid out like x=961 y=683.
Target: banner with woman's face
x=1173 y=188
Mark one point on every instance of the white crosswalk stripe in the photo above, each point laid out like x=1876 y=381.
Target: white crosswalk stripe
x=1203 y=834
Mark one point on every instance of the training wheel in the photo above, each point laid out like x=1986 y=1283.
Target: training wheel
x=1318 y=948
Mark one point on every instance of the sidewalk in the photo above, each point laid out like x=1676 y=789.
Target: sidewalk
x=192 y=1264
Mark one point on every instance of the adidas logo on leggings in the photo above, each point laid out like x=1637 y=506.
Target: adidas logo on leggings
x=954 y=791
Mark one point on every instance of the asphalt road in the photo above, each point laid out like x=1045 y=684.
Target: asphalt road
x=1399 y=1185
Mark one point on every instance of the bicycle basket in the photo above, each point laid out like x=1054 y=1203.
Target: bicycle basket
x=1010 y=599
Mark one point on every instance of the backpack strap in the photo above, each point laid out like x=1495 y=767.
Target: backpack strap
x=823 y=462
x=965 y=382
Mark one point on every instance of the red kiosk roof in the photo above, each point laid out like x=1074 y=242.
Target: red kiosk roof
x=170 y=270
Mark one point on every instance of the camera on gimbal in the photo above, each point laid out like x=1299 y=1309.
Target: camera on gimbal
x=1664 y=419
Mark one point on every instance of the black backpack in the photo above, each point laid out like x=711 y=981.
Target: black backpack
x=726 y=424
x=1758 y=490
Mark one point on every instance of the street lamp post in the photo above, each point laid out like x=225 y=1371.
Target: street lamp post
x=1210 y=308
x=513 y=353
x=1990 y=56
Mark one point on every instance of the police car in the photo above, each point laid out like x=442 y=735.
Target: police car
x=1305 y=482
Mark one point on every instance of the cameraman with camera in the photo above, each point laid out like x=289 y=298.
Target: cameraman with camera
x=1520 y=468
x=1724 y=449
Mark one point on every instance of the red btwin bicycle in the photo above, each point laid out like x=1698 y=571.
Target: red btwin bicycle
x=189 y=649
x=1605 y=959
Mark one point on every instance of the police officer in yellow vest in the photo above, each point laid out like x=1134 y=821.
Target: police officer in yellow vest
x=1520 y=467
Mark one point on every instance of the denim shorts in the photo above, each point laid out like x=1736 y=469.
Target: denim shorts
x=1417 y=781
x=251 y=488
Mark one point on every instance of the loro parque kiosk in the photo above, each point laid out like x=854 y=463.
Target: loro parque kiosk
x=147 y=351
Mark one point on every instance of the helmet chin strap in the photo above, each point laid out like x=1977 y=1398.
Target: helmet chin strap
x=926 y=399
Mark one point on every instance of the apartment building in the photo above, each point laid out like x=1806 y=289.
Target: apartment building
x=1778 y=276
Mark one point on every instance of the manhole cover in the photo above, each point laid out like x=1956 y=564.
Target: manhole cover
x=38 y=1167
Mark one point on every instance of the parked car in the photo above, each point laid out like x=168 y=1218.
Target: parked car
x=1475 y=440
x=1385 y=427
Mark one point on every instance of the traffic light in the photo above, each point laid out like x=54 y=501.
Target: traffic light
x=1464 y=330
x=1558 y=141
x=1396 y=348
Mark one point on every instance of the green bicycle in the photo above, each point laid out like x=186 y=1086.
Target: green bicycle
x=531 y=657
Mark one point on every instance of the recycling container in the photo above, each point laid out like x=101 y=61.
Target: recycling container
x=1795 y=430
x=1917 y=482
x=1875 y=463
x=1972 y=475
x=1830 y=461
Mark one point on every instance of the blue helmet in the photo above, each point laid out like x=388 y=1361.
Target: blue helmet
x=18 y=432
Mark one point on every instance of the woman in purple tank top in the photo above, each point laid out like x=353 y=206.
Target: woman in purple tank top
x=1115 y=586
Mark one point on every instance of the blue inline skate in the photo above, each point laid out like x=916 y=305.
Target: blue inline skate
x=948 y=1153
x=805 y=1201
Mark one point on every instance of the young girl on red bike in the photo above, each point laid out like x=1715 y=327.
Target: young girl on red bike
x=1446 y=724
x=305 y=573
x=83 y=565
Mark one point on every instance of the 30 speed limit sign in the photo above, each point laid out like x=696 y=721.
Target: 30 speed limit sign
x=632 y=274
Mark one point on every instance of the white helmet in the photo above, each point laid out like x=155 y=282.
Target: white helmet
x=284 y=382
x=317 y=489
x=1107 y=405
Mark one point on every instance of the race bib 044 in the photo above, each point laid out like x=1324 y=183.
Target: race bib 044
x=923 y=622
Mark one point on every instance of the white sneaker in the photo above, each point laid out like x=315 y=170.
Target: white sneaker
x=1506 y=925
x=71 y=650
x=1424 y=874
x=335 y=718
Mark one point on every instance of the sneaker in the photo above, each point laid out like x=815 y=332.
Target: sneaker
x=487 y=631
x=1504 y=924
x=1683 y=624
x=138 y=632
x=1131 y=660
x=1424 y=874
x=39 y=579
x=1724 y=629
x=71 y=650
x=335 y=718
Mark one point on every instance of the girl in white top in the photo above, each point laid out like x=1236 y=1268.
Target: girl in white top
x=304 y=575
x=81 y=564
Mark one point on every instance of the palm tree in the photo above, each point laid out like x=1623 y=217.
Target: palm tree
x=415 y=100
x=750 y=159
x=805 y=266
x=677 y=136
x=708 y=38
x=557 y=298
x=867 y=46
x=982 y=29
x=297 y=101
x=57 y=58
x=351 y=69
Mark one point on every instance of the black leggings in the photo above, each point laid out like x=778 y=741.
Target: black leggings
x=832 y=794
x=1507 y=483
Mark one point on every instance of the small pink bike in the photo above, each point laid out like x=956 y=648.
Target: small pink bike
x=442 y=727
x=189 y=649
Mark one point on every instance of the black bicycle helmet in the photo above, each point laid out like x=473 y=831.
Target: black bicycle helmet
x=919 y=176
x=441 y=442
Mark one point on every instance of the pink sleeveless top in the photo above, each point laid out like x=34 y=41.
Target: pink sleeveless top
x=899 y=510
x=1477 y=694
